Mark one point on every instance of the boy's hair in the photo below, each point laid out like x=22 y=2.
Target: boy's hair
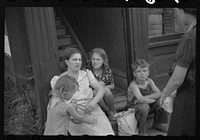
x=64 y=85
x=140 y=62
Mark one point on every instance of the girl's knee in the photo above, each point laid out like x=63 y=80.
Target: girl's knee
x=108 y=92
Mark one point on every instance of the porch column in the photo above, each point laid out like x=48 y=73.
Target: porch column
x=41 y=32
x=139 y=33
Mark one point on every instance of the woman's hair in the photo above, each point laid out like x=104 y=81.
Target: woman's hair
x=67 y=54
x=102 y=54
x=140 y=62
x=64 y=85
x=191 y=11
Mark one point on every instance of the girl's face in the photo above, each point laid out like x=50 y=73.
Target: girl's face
x=97 y=60
x=141 y=74
x=74 y=63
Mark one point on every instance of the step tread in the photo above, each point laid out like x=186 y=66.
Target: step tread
x=64 y=41
x=120 y=105
x=61 y=27
x=63 y=36
x=66 y=46
x=119 y=99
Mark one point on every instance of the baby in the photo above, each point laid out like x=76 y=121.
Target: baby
x=60 y=109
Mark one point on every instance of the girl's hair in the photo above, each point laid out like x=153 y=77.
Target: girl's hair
x=102 y=54
x=139 y=62
x=64 y=85
x=191 y=11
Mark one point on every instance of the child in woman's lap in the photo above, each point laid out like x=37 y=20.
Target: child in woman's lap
x=60 y=108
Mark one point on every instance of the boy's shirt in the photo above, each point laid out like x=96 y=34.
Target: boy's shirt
x=132 y=100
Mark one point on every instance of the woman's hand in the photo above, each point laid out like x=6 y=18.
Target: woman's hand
x=162 y=98
x=102 y=83
x=90 y=107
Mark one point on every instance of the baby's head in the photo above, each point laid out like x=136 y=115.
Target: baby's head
x=65 y=87
x=140 y=69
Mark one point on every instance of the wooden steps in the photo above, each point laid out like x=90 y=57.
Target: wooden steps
x=120 y=99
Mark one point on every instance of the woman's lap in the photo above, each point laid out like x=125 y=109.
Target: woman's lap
x=103 y=126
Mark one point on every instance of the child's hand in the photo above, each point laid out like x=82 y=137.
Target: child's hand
x=93 y=121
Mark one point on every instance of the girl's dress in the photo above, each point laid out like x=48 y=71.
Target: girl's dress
x=57 y=118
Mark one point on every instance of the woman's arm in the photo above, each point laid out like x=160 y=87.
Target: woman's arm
x=142 y=99
x=175 y=81
x=99 y=92
x=156 y=92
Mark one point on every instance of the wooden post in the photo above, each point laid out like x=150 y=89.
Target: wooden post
x=139 y=23
x=20 y=55
x=41 y=32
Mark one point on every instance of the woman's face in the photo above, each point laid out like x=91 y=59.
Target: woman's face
x=181 y=16
x=97 y=60
x=75 y=62
x=141 y=74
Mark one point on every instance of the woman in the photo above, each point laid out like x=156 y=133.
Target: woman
x=183 y=79
x=98 y=64
x=85 y=100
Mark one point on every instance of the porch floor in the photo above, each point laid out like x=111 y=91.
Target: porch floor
x=155 y=132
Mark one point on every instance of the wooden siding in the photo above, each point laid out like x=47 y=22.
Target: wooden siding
x=163 y=51
x=41 y=31
x=8 y=67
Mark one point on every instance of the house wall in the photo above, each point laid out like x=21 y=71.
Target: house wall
x=163 y=50
x=102 y=27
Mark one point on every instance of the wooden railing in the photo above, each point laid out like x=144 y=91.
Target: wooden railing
x=66 y=22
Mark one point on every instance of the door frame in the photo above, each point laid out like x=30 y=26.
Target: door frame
x=136 y=38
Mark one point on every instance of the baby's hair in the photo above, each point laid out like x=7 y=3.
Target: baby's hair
x=140 y=62
x=64 y=85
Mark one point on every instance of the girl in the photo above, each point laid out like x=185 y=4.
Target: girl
x=99 y=66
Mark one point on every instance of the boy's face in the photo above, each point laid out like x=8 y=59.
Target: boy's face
x=141 y=73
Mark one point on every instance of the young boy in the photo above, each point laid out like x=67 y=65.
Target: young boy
x=60 y=109
x=142 y=94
